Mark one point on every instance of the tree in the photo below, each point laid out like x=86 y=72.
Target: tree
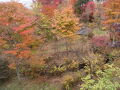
x=48 y=6
x=65 y=23
x=112 y=14
x=78 y=6
x=88 y=11
x=17 y=31
x=85 y=9
x=43 y=23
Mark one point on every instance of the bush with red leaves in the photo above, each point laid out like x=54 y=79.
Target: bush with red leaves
x=100 y=41
x=88 y=11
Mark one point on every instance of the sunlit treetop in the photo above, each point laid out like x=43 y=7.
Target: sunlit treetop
x=65 y=22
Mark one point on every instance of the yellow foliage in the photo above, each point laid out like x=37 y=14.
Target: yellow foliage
x=65 y=23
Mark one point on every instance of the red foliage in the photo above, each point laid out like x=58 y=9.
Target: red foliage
x=12 y=12
x=47 y=2
x=26 y=27
x=48 y=10
x=88 y=11
x=100 y=41
x=23 y=53
x=49 y=6
x=18 y=25
x=14 y=52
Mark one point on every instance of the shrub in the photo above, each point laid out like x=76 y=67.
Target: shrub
x=93 y=62
x=112 y=56
x=32 y=71
x=73 y=65
x=100 y=44
x=106 y=80
x=57 y=70
x=100 y=41
x=116 y=27
x=67 y=82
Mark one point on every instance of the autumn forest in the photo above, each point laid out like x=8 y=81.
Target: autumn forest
x=60 y=45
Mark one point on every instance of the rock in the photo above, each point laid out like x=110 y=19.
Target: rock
x=84 y=31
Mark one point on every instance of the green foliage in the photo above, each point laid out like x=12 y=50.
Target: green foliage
x=34 y=71
x=73 y=65
x=112 y=56
x=99 y=32
x=43 y=23
x=106 y=80
x=67 y=82
x=44 y=27
x=94 y=62
x=57 y=70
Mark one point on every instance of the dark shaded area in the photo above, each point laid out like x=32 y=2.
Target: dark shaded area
x=78 y=5
x=4 y=70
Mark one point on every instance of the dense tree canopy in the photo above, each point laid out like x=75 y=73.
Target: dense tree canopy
x=48 y=6
x=17 y=28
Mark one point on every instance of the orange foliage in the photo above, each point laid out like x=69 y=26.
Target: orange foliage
x=19 y=26
x=73 y=1
x=12 y=12
x=112 y=11
x=65 y=22
x=49 y=6
x=48 y=10
x=2 y=42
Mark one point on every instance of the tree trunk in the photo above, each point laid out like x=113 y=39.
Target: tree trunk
x=18 y=69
